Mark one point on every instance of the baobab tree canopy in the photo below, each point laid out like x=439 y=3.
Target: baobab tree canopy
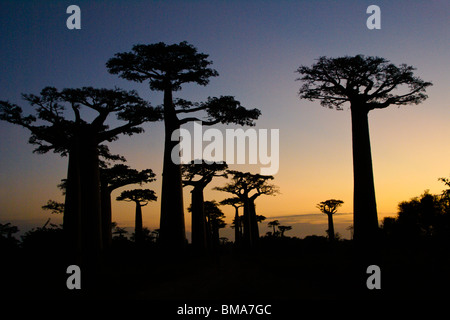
x=329 y=206
x=51 y=107
x=162 y=64
x=367 y=81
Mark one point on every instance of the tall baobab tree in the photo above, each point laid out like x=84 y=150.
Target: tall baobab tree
x=167 y=68
x=329 y=207
x=199 y=174
x=81 y=141
x=366 y=83
x=247 y=187
x=141 y=197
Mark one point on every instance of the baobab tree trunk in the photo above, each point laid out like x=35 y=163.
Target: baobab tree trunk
x=199 y=241
x=364 y=203
x=91 y=223
x=106 y=216
x=82 y=216
x=247 y=223
x=72 y=209
x=138 y=232
x=330 y=227
x=253 y=222
x=172 y=228
x=237 y=227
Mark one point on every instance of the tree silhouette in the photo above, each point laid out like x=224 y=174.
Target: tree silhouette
x=273 y=224
x=237 y=225
x=247 y=187
x=141 y=197
x=329 y=207
x=199 y=174
x=81 y=141
x=167 y=68
x=7 y=241
x=112 y=178
x=367 y=83
x=283 y=229
x=214 y=217
x=54 y=206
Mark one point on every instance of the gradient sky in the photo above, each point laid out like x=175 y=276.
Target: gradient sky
x=256 y=46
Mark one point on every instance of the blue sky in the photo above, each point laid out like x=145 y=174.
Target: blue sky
x=256 y=46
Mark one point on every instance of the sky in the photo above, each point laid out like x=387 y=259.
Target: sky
x=255 y=46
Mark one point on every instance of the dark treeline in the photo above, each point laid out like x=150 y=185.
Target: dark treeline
x=119 y=266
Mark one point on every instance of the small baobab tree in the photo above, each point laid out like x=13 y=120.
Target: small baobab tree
x=236 y=203
x=329 y=207
x=141 y=197
x=248 y=187
x=199 y=174
x=112 y=178
x=283 y=229
x=273 y=224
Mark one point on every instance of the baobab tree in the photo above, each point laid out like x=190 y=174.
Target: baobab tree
x=236 y=203
x=329 y=207
x=283 y=229
x=167 y=68
x=81 y=141
x=366 y=83
x=141 y=197
x=199 y=174
x=247 y=187
x=112 y=178
x=214 y=218
x=273 y=224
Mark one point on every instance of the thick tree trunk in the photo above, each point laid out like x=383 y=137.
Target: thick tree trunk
x=330 y=227
x=253 y=222
x=364 y=203
x=72 y=209
x=215 y=236
x=237 y=227
x=247 y=239
x=90 y=202
x=82 y=214
x=138 y=231
x=106 y=216
x=199 y=241
x=172 y=228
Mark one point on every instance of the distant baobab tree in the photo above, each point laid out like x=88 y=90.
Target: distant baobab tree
x=273 y=224
x=167 y=68
x=112 y=178
x=247 y=187
x=141 y=197
x=236 y=203
x=81 y=141
x=366 y=83
x=199 y=174
x=283 y=229
x=329 y=207
x=215 y=221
